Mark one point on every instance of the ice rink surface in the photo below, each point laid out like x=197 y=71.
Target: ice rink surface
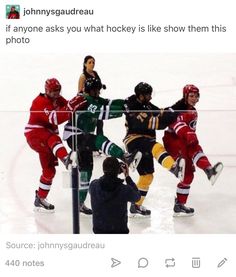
x=22 y=77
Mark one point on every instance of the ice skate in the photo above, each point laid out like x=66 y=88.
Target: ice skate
x=178 y=168
x=214 y=172
x=132 y=159
x=139 y=210
x=180 y=210
x=85 y=210
x=68 y=160
x=41 y=204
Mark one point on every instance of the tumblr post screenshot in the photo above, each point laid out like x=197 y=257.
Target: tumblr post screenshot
x=117 y=138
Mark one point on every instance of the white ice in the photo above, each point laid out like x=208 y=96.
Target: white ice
x=22 y=78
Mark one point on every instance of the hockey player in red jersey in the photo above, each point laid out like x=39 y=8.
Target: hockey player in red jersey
x=13 y=14
x=180 y=139
x=48 y=110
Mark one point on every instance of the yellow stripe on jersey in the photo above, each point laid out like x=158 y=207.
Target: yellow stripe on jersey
x=131 y=137
x=163 y=158
x=153 y=123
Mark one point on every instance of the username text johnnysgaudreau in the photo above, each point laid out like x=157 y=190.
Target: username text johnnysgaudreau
x=57 y=12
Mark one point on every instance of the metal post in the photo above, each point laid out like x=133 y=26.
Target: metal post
x=75 y=181
x=75 y=199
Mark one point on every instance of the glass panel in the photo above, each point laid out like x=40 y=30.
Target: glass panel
x=20 y=173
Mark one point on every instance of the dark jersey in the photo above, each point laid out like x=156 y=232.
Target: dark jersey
x=141 y=118
x=87 y=75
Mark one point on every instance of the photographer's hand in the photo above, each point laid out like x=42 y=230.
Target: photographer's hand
x=125 y=169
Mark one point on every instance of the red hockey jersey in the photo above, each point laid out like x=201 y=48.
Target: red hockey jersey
x=47 y=113
x=13 y=15
x=185 y=123
x=180 y=138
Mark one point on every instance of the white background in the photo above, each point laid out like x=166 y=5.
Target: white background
x=168 y=62
x=133 y=13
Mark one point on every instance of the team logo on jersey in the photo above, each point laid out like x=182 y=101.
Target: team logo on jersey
x=46 y=111
x=193 y=124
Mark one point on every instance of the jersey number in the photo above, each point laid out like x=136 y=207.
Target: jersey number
x=92 y=108
x=141 y=116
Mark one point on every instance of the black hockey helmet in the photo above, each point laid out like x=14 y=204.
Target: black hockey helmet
x=92 y=84
x=143 y=88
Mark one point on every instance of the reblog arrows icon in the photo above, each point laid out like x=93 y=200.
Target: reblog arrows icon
x=170 y=262
x=115 y=262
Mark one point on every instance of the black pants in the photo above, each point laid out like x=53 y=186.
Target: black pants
x=144 y=145
x=84 y=145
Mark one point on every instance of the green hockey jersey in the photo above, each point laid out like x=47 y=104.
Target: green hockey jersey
x=97 y=109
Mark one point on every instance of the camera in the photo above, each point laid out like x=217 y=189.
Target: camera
x=122 y=166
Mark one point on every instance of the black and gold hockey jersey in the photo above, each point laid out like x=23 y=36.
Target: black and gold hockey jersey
x=142 y=120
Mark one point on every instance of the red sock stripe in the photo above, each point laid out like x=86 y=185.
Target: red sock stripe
x=182 y=193
x=203 y=163
x=61 y=153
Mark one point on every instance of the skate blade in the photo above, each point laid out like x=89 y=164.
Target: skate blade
x=138 y=215
x=84 y=215
x=43 y=211
x=219 y=169
x=136 y=161
x=183 y=214
x=182 y=172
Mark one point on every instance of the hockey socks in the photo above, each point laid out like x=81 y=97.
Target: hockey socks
x=57 y=147
x=182 y=193
x=85 y=177
x=108 y=147
x=163 y=158
x=143 y=185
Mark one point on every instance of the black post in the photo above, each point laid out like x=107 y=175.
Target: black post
x=75 y=199
x=75 y=180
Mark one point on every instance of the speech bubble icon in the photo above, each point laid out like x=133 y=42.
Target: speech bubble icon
x=142 y=262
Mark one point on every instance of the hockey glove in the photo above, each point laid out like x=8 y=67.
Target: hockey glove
x=167 y=117
x=76 y=103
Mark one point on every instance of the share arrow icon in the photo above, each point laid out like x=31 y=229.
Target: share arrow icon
x=115 y=262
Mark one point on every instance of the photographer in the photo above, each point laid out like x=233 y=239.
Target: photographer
x=109 y=197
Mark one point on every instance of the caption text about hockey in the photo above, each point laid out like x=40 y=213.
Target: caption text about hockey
x=22 y=34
